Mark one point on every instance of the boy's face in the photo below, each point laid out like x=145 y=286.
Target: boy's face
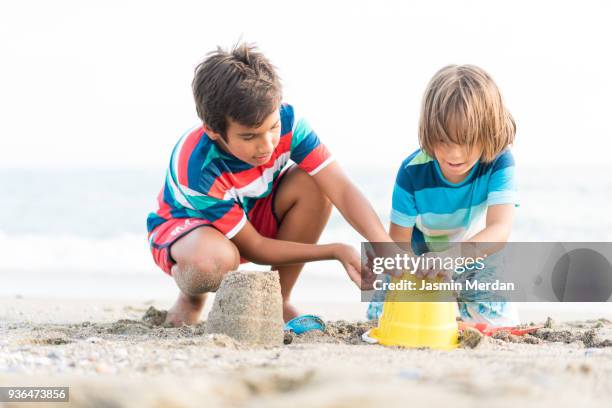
x=251 y=145
x=455 y=160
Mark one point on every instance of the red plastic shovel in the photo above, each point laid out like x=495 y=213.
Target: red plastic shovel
x=488 y=330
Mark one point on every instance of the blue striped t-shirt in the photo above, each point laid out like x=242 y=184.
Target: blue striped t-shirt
x=441 y=211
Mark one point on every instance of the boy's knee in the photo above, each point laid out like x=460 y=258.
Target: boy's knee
x=204 y=273
x=310 y=190
x=320 y=203
x=326 y=204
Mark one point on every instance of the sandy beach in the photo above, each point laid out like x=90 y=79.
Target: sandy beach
x=113 y=353
x=102 y=112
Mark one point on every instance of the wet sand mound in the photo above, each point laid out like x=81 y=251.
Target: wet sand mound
x=586 y=332
x=339 y=332
x=248 y=307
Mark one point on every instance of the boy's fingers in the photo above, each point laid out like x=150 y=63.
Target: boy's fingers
x=366 y=259
x=370 y=253
x=367 y=279
x=353 y=274
x=367 y=284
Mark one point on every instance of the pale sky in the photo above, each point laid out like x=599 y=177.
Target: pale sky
x=107 y=84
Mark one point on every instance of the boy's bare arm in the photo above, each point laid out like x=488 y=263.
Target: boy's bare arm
x=495 y=235
x=402 y=236
x=486 y=242
x=351 y=203
x=261 y=250
x=499 y=224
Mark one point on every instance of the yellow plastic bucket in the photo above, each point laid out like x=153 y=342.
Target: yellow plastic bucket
x=422 y=322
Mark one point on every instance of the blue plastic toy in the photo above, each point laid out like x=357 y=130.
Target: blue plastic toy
x=304 y=323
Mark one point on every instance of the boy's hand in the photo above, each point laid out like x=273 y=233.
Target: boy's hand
x=350 y=259
x=431 y=273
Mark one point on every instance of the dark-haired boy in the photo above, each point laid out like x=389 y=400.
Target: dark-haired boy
x=231 y=175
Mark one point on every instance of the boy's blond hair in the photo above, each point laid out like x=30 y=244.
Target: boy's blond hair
x=462 y=105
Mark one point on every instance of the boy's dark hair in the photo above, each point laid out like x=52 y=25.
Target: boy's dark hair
x=240 y=84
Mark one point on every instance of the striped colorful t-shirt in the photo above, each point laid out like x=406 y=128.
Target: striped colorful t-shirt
x=441 y=211
x=203 y=181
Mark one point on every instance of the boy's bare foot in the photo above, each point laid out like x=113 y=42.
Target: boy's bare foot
x=186 y=310
x=289 y=312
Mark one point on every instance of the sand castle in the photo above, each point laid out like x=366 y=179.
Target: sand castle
x=248 y=307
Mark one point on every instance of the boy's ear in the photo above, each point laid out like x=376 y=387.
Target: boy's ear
x=211 y=134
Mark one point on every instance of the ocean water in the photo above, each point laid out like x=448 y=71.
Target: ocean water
x=82 y=232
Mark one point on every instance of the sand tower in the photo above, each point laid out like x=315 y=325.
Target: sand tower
x=248 y=307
